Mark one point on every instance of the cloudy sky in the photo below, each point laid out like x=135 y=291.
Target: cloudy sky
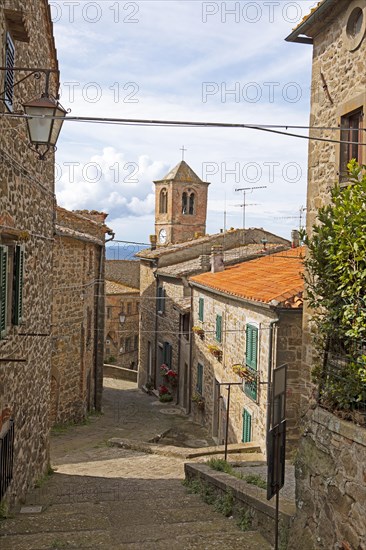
x=182 y=60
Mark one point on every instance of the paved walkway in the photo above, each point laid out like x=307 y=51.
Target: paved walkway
x=112 y=498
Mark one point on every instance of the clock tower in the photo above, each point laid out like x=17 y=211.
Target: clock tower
x=180 y=206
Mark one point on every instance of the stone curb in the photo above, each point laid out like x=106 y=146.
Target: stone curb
x=181 y=452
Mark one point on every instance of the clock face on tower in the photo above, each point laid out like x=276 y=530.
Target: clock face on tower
x=162 y=236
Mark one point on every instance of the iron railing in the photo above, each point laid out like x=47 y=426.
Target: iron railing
x=6 y=458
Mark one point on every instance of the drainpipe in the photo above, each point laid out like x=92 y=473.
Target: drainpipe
x=99 y=324
x=272 y=328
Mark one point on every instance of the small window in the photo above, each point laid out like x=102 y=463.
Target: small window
x=161 y=300
x=185 y=321
x=185 y=203
x=11 y=286
x=219 y=328
x=129 y=308
x=352 y=125
x=109 y=312
x=136 y=342
x=163 y=201
x=191 y=204
x=201 y=306
x=9 y=73
x=199 y=386
x=167 y=354
x=127 y=344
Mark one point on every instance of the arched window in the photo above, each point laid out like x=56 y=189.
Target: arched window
x=185 y=203
x=163 y=201
x=191 y=203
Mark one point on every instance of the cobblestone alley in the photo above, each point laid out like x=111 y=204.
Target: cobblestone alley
x=113 y=498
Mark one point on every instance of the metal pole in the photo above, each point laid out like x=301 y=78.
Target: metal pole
x=227 y=419
x=276 y=519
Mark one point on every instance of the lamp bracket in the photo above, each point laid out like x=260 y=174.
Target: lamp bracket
x=36 y=72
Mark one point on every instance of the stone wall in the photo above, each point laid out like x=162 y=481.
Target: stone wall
x=148 y=318
x=122 y=339
x=235 y=316
x=26 y=212
x=77 y=307
x=331 y=486
x=126 y=272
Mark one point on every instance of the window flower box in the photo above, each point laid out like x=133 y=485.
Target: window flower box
x=199 y=331
x=215 y=351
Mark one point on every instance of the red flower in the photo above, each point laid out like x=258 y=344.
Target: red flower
x=163 y=390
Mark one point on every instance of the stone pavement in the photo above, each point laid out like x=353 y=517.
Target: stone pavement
x=112 y=498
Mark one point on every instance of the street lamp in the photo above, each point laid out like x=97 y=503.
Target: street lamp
x=45 y=127
x=44 y=115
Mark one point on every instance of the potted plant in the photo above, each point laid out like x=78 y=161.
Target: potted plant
x=198 y=400
x=164 y=394
x=170 y=376
x=215 y=351
x=199 y=331
x=244 y=372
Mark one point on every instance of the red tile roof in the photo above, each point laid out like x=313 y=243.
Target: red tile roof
x=275 y=279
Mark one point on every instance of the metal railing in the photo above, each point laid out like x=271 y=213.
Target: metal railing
x=6 y=458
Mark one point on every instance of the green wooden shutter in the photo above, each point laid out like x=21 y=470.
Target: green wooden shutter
x=218 y=328
x=199 y=378
x=18 y=285
x=247 y=426
x=251 y=346
x=3 y=290
x=201 y=309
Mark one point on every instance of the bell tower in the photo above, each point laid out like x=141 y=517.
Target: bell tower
x=180 y=206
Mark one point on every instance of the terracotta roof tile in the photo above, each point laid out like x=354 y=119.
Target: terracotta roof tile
x=274 y=279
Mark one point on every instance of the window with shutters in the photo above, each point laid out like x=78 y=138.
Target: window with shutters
x=11 y=286
x=161 y=300
x=199 y=386
x=3 y=290
x=251 y=359
x=9 y=73
x=247 y=426
x=201 y=307
x=219 y=328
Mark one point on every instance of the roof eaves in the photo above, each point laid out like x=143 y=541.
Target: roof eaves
x=300 y=33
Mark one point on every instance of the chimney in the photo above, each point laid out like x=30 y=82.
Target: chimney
x=153 y=240
x=217 y=258
x=295 y=238
x=205 y=262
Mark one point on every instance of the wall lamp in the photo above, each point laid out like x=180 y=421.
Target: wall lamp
x=44 y=115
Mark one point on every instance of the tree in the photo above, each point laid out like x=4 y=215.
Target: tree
x=335 y=276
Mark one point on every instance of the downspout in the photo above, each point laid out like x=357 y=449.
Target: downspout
x=99 y=323
x=272 y=329
x=156 y=329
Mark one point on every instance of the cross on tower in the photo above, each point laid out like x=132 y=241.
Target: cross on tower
x=183 y=149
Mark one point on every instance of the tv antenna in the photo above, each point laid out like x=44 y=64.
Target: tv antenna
x=299 y=217
x=246 y=190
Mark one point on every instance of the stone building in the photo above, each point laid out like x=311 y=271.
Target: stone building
x=122 y=325
x=180 y=206
x=248 y=315
x=77 y=314
x=331 y=465
x=26 y=252
x=164 y=290
x=122 y=313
